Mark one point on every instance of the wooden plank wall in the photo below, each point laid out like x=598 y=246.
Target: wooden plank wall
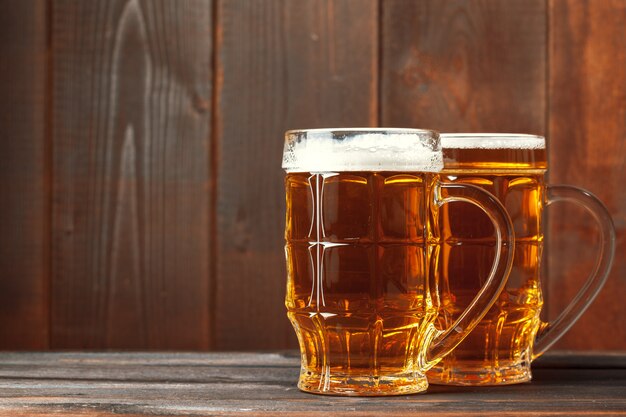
x=587 y=130
x=464 y=66
x=131 y=104
x=24 y=177
x=142 y=197
x=281 y=65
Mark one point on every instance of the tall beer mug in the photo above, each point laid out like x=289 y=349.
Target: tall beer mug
x=511 y=167
x=362 y=248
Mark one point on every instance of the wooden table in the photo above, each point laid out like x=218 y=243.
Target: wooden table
x=216 y=384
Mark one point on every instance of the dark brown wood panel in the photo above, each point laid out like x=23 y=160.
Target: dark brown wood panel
x=251 y=384
x=24 y=176
x=588 y=149
x=131 y=192
x=109 y=176
x=281 y=65
x=464 y=65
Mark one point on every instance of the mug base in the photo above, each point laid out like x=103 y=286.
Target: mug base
x=479 y=375
x=350 y=385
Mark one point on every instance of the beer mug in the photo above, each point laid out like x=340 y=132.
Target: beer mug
x=362 y=248
x=511 y=167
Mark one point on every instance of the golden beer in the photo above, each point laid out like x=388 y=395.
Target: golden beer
x=373 y=226
x=512 y=168
x=362 y=255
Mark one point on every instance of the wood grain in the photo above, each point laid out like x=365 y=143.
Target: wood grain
x=587 y=111
x=137 y=214
x=464 y=66
x=176 y=384
x=131 y=145
x=24 y=177
x=281 y=65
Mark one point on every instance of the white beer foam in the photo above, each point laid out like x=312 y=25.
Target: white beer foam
x=362 y=149
x=492 y=141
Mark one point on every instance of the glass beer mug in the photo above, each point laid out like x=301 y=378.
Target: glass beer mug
x=362 y=249
x=511 y=167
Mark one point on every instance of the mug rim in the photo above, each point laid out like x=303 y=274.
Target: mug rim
x=362 y=149
x=492 y=140
x=360 y=130
x=491 y=135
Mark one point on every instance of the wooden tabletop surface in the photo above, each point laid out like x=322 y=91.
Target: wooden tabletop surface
x=217 y=384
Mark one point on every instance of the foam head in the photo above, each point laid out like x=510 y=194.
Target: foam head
x=362 y=149
x=492 y=141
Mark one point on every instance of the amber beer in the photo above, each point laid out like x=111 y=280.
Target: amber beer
x=512 y=169
x=373 y=224
x=362 y=258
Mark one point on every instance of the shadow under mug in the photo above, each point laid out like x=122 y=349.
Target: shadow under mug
x=362 y=254
x=511 y=167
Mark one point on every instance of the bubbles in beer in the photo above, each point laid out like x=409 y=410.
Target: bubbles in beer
x=367 y=149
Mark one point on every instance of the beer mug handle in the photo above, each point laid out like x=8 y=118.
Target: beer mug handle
x=550 y=332
x=446 y=340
